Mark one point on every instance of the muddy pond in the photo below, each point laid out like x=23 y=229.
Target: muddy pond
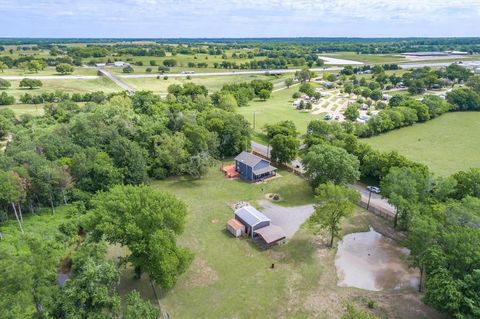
x=374 y=262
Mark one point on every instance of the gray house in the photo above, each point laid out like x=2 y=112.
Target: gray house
x=252 y=167
x=252 y=219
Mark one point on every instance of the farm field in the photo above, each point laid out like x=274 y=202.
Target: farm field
x=67 y=86
x=212 y=83
x=232 y=278
x=446 y=144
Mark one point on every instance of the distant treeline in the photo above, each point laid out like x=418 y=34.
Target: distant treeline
x=360 y=45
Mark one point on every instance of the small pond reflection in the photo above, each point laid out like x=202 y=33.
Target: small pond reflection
x=374 y=262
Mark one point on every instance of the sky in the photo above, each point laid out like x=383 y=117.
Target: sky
x=239 y=18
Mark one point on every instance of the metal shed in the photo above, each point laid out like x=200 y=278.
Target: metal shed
x=271 y=234
x=235 y=227
x=252 y=219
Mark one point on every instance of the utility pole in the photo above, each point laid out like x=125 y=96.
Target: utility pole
x=369 y=196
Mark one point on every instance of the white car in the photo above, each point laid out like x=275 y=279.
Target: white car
x=374 y=189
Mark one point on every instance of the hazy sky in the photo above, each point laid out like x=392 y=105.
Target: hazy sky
x=239 y=18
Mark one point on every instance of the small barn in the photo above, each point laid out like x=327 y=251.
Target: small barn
x=235 y=227
x=252 y=167
x=252 y=219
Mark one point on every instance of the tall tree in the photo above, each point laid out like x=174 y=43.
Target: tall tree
x=333 y=202
x=147 y=222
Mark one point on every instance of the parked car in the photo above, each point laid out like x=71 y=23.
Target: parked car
x=374 y=189
x=328 y=117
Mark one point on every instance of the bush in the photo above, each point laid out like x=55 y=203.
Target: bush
x=128 y=69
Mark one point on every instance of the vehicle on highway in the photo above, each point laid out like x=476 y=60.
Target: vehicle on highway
x=374 y=189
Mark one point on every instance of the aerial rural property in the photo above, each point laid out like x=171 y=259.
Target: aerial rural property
x=238 y=159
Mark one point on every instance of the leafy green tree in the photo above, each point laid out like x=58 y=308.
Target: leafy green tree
x=64 y=68
x=307 y=88
x=473 y=82
x=4 y=84
x=284 y=148
x=333 y=202
x=227 y=102
x=468 y=183
x=376 y=94
x=36 y=65
x=3 y=66
x=264 y=94
x=128 y=69
x=136 y=308
x=286 y=128
x=351 y=112
x=288 y=82
x=5 y=99
x=11 y=194
x=30 y=83
x=170 y=156
x=405 y=187
x=147 y=222
x=199 y=164
x=90 y=292
x=325 y=163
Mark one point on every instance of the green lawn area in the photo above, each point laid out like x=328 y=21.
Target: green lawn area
x=47 y=71
x=277 y=108
x=232 y=278
x=20 y=109
x=446 y=144
x=67 y=86
x=212 y=83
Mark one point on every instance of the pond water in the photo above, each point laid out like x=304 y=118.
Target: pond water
x=374 y=262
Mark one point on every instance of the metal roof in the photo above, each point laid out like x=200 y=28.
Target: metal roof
x=251 y=216
x=249 y=159
x=263 y=170
x=271 y=233
x=235 y=224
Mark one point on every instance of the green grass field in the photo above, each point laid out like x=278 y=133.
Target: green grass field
x=446 y=144
x=232 y=278
x=67 y=86
x=212 y=83
x=277 y=108
x=47 y=71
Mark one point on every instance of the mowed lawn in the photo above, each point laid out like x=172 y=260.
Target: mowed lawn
x=277 y=108
x=232 y=278
x=446 y=144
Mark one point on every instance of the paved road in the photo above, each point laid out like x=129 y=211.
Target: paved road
x=117 y=81
x=376 y=200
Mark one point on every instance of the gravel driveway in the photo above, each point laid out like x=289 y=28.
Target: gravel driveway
x=288 y=218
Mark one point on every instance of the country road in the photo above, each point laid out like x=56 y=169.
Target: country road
x=117 y=81
x=376 y=200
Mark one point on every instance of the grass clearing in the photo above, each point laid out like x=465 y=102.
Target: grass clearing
x=446 y=144
x=232 y=278
x=277 y=108
x=212 y=83
x=20 y=109
x=67 y=86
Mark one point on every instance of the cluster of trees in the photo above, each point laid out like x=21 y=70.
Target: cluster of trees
x=441 y=215
x=93 y=160
x=404 y=111
x=240 y=94
x=59 y=96
x=282 y=137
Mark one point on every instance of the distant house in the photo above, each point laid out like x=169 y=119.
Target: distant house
x=119 y=63
x=252 y=167
x=100 y=65
x=252 y=219
x=477 y=71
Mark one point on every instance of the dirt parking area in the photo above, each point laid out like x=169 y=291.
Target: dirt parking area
x=288 y=218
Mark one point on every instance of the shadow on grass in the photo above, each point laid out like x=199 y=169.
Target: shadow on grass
x=299 y=251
